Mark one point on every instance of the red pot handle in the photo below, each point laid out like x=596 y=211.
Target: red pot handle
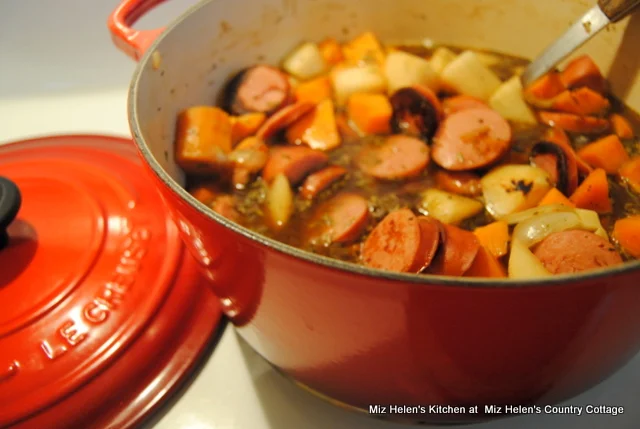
x=132 y=42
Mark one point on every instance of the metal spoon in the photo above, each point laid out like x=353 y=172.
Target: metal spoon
x=597 y=18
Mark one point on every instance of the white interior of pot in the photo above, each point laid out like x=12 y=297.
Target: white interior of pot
x=221 y=37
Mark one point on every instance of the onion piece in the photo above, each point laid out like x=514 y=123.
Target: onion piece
x=251 y=159
x=509 y=102
x=523 y=215
x=512 y=188
x=523 y=264
x=591 y=222
x=350 y=80
x=279 y=201
x=306 y=62
x=468 y=75
x=441 y=58
x=403 y=70
x=447 y=207
x=537 y=228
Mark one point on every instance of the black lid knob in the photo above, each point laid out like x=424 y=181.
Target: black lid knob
x=10 y=200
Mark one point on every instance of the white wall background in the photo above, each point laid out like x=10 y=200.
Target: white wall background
x=40 y=39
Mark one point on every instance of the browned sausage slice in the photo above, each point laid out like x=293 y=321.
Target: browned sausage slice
x=432 y=97
x=457 y=252
x=225 y=205
x=430 y=235
x=400 y=157
x=394 y=243
x=321 y=180
x=294 y=161
x=457 y=103
x=459 y=182
x=260 y=88
x=283 y=118
x=416 y=112
x=471 y=139
x=339 y=220
x=574 y=251
x=549 y=163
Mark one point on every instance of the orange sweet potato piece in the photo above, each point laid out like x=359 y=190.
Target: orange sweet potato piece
x=494 y=237
x=542 y=91
x=630 y=173
x=317 y=129
x=574 y=123
x=245 y=125
x=593 y=193
x=486 y=264
x=554 y=196
x=582 y=71
x=315 y=90
x=626 y=232
x=621 y=126
x=582 y=101
x=203 y=138
x=607 y=153
x=363 y=49
x=331 y=51
x=371 y=113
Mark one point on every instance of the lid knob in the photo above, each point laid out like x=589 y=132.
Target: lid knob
x=10 y=200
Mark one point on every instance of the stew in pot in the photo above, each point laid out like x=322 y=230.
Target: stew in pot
x=430 y=160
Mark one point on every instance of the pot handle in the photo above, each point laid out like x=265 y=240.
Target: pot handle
x=132 y=42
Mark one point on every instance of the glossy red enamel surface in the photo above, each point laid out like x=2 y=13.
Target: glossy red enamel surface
x=364 y=340
x=101 y=309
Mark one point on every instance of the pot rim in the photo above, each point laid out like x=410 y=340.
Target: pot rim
x=325 y=261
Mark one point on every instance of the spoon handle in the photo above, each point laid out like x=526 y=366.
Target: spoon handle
x=617 y=9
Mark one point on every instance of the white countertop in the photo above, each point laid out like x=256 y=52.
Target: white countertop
x=54 y=81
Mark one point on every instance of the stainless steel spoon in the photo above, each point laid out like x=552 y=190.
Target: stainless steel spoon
x=597 y=18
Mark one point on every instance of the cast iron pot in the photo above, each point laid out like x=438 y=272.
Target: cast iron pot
x=361 y=336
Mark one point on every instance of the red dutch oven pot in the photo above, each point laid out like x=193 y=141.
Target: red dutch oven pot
x=355 y=335
x=103 y=313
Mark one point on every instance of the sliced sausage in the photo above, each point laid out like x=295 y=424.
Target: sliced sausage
x=296 y=162
x=347 y=132
x=457 y=103
x=457 y=252
x=400 y=157
x=394 y=243
x=205 y=193
x=432 y=97
x=549 y=163
x=225 y=205
x=558 y=136
x=321 y=180
x=416 y=112
x=283 y=118
x=260 y=88
x=459 y=182
x=248 y=157
x=471 y=139
x=430 y=235
x=562 y=168
x=341 y=219
x=240 y=177
x=575 y=251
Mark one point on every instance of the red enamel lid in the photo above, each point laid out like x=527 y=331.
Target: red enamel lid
x=102 y=312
